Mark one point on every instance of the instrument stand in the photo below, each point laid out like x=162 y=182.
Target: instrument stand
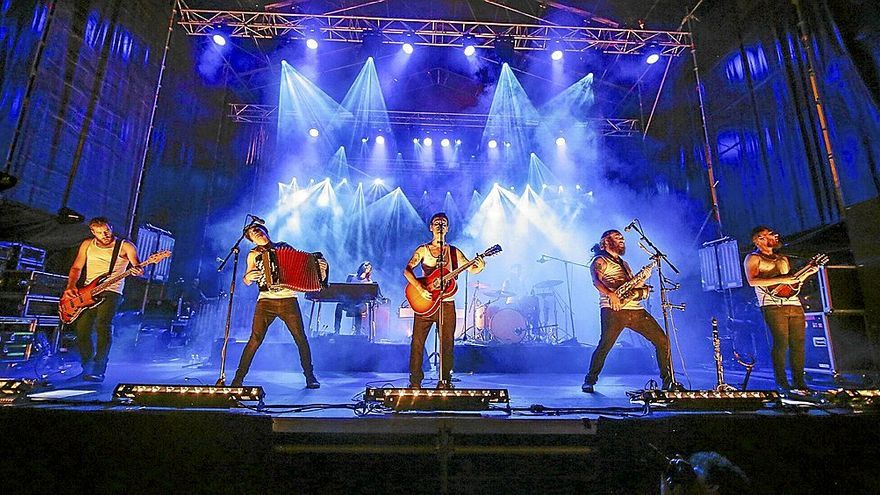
x=566 y=264
x=234 y=252
x=438 y=341
x=666 y=285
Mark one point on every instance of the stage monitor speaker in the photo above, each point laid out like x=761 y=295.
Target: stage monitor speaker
x=838 y=343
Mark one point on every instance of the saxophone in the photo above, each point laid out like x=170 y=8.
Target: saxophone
x=627 y=292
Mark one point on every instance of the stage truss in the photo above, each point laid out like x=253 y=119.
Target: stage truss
x=431 y=32
x=250 y=113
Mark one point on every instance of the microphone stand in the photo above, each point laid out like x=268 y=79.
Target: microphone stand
x=441 y=261
x=566 y=264
x=666 y=285
x=221 y=380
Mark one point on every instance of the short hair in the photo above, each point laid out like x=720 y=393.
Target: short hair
x=437 y=215
x=757 y=230
x=100 y=221
x=247 y=230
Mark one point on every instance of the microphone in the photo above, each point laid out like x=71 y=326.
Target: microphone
x=542 y=259
x=257 y=219
x=631 y=225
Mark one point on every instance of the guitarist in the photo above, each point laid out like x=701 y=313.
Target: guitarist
x=428 y=256
x=103 y=254
x=609 y=271
x=783 y=315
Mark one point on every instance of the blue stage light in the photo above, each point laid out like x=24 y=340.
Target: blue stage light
x=652 y=59
x=380 y=139
x=469 y=50
x=493 y=144
x=219 y=39
x=312 y=43
x=314 y=132
x=444 y=142
x=378 y=182
x=560 y=141
x=556 y=55
x=415 y=140
x=458 y=142
x=407 y=48
x=427 y=141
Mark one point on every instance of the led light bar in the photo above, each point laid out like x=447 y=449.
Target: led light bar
x=14 y=388
x=855 y=398
x=462 y=399
x=708 y=399
x=187 y=395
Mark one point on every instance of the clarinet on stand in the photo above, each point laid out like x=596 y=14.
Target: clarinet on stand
x=720 y=386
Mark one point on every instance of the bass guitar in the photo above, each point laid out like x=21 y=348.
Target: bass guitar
x=69 y=308
x=441 y=284
x=786 y=291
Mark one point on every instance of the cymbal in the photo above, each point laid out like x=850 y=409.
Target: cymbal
x=546 y=284
x=480 y=286
x=499 y=293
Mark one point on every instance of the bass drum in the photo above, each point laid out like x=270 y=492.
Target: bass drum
x=508 y=326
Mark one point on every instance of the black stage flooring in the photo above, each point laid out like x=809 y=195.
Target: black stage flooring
x=74 y=437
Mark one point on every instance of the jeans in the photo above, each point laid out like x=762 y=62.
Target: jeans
x=356 y=313
x=264 y=314
x=787 y=326
x=641 y=322
x=94 y=358
x=421 y=326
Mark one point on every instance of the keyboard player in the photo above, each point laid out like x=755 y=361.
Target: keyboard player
x=356 y=310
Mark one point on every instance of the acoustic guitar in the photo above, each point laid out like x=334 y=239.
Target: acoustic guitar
x=69 y=308
x=441 y=284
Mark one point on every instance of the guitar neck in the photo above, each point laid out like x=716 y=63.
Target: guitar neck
x=116 y=278
x=457 y=271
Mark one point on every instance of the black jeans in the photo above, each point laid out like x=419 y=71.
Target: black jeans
x=264 y=314
x=94 y=358
x=641 y=322
x=356 y=312
x=421 y=326
x=787 y=325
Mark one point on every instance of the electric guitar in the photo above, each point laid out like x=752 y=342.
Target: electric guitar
x=786 y=291
x=69 y=308
x=441 y=284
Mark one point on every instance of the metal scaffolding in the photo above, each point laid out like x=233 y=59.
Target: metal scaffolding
x=431 y=32
x=434 y=121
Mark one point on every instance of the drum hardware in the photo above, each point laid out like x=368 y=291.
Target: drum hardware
x=498 y=294
x=547 y=284
x=480 y=286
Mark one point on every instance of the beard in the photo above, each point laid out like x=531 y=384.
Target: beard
x=622 y=250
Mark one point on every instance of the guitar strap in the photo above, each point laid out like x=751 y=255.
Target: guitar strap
x=116 y=248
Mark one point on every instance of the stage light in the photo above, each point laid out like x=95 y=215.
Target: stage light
x=458 y=142
x=364 y=140
x=187 y=395
x=415 y=140
x=314 y=132
x=560 y=141
x=427 y=141
x=444 y=142
x=380 y=139
x=707 y=399
x=544 y=186
x=14 y=388
x=312 y=43
x=652 y=59
x=407 y=48
x=67 y=216
x=343 y=181
x=465 y=399
x=469 y=51
x=507 y=144
x=556 y=55
x=652 y=53
x=577 y=186
x=219 y=39
x=493 y=144
x=378 y=182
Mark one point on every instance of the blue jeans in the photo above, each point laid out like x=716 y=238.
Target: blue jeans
x=94 y=358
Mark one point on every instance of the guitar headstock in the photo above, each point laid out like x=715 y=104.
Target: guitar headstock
x=819 y=260
x=492 y=251
x=156 y=257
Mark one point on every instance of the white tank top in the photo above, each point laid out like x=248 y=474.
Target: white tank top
x=613 y=276
x=98 y=261
x=430 y=263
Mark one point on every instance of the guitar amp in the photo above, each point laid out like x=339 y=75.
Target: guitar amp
x=838 y=343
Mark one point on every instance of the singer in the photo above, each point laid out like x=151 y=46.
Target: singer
x=609 y=271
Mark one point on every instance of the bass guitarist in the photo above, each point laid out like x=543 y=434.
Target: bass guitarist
x=784 y=315
x=428 y=255
x=103 y=254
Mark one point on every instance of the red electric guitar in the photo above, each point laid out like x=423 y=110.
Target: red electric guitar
x=786 y=291
x=437 y=279
x=69 y=308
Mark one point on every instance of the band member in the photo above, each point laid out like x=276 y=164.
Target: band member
x=364 y=275
x=428 y=256
x=272 y=303
x=783 y=315
x=609 y=271
x=103 y=254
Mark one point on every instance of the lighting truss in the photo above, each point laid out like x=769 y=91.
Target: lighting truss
x=434 y=121
x=432 y=32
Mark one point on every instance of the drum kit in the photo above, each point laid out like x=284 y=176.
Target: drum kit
x=505 y=317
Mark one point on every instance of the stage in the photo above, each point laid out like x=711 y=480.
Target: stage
x=552 y=439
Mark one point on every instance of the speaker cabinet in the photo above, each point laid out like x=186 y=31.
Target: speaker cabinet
x=838 y=343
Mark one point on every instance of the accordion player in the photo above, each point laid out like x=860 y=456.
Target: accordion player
x=284 y=267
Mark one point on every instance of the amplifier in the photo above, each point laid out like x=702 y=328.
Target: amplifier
x=834 y=288
x=838 y=343
x=18 y=256
x=34 y=282
x=18 y=336
x=24 y=305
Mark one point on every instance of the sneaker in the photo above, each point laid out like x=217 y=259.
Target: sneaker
x=445 y=384
x=587 y=388
x=94 y=377
x=312 y=382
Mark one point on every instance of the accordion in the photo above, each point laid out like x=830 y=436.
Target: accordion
x=288 y=268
